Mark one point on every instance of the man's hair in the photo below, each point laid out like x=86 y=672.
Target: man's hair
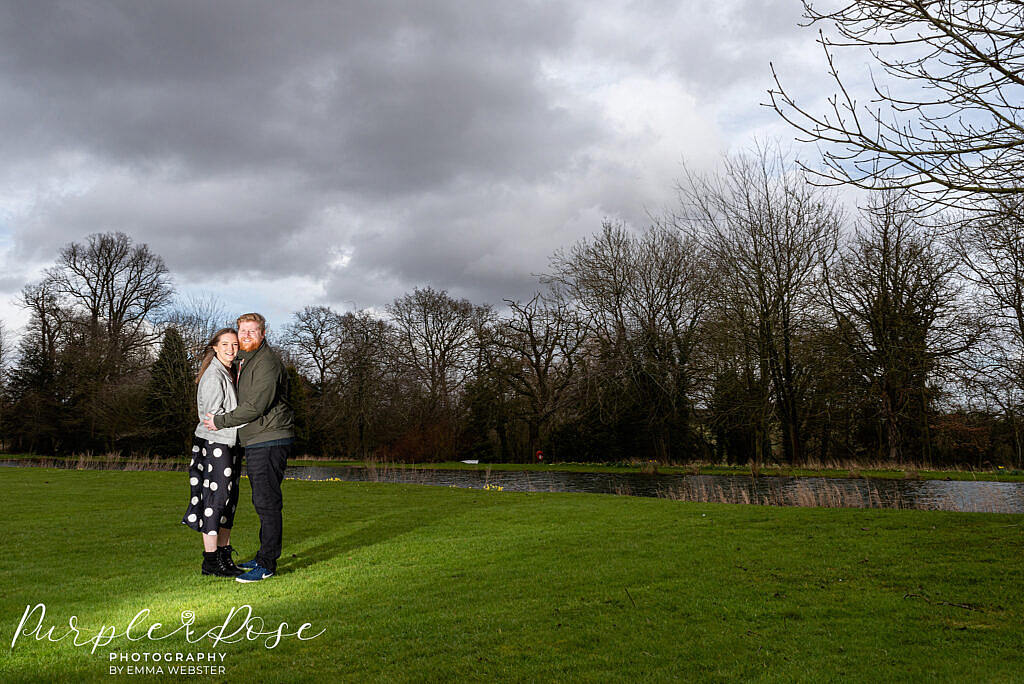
x=253 y=317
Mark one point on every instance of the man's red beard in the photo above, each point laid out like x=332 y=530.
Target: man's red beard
x=249 y=344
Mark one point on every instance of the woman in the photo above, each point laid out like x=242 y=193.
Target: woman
x=216 y=460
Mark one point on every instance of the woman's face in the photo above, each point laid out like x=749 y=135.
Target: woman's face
x=226 y=348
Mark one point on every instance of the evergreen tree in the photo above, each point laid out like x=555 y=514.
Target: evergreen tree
x=171 y=397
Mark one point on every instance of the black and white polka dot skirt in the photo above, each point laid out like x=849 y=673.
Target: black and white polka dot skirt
x=213 y=482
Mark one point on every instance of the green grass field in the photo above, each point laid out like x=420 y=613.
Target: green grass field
x=423 y=583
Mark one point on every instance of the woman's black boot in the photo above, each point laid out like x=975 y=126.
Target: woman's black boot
x=226 y=563
x=211 y=563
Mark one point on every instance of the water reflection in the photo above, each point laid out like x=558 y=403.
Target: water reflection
x=946 y=495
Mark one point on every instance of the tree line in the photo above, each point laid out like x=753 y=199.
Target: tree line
x=757 y=322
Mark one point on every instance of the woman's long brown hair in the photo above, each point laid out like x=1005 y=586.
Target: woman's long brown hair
x=210 y=350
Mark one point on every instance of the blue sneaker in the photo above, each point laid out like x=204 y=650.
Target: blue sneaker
x=255 y=575
x=248 y=565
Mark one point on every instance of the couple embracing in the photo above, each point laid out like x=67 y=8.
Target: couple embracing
x=243 y=406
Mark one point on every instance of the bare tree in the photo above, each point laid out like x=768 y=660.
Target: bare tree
x=898 y=301
x=992 y=249
x=197 y=318
x=738 y=394
x=315 y=338
x=82 y=367
x=434 y=345
x=948 y=125
x=435 y=340
x=537 y=348
x=360 y=375
x=115 y=287
x=643 y=298
x=770 y=235
x=5 y=352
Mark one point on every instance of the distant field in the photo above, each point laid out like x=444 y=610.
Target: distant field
x=417 y=583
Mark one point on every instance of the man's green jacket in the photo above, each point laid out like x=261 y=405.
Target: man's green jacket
x=263 y=396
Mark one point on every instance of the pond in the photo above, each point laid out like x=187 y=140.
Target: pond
x=947 y=495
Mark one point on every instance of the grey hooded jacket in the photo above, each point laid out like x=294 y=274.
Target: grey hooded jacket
x=216 y=394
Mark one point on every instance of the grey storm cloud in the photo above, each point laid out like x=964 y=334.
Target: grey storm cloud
x=367 y=147
x=379 y=97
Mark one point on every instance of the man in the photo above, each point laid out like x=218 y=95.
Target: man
x=266 y=434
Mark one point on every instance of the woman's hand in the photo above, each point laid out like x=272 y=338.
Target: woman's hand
x=208 y=422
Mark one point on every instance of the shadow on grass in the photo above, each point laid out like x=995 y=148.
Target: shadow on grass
x=407 y=512
x=377 y=530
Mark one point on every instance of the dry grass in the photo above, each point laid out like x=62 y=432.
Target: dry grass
x=855 y=467
x=824 y=494
x=818 y=495
x=376 y=469
x=111 y=461
x=912 y=467
x=311 y=457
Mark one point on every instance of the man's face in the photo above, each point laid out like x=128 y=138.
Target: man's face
x=249 y=335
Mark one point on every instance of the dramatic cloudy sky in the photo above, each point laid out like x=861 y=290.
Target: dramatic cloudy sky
x=280 y=154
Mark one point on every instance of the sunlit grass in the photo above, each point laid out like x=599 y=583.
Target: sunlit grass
x=413 y=582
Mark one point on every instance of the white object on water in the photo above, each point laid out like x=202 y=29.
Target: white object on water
x=474 y=462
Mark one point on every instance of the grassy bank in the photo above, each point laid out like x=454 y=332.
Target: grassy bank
x=876 y=471
x=425 y=583
x=879 y=471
